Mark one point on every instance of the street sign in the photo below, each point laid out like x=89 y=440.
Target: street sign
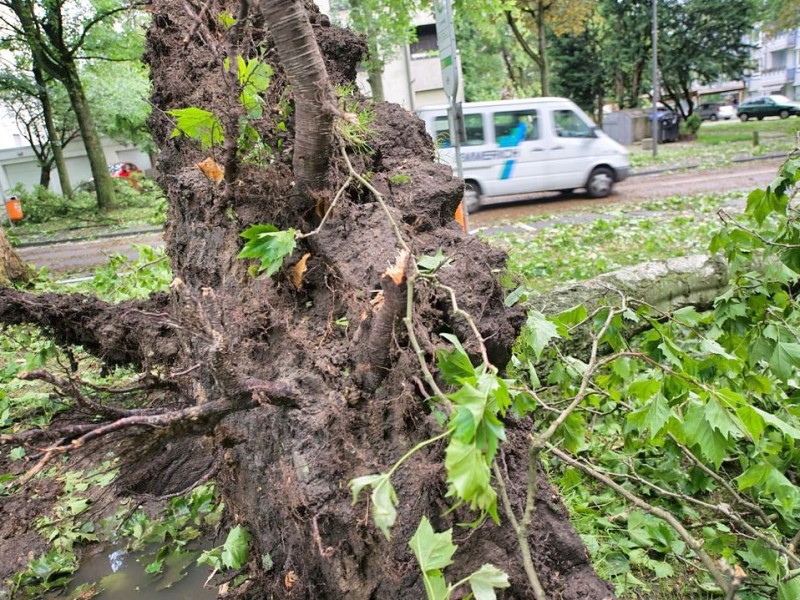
x=446 y=40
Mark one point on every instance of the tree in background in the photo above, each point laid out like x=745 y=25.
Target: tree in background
x=57 y=32
x=494 y=65
x=43 y=118
x=387 y=26
x=627 y=48
x=702 y=41
x=780 y=15
x=541 y=17
x=578 y=70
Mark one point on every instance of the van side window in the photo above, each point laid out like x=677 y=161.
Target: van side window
x=513 y=127
x=569 y=124
x=473 y=124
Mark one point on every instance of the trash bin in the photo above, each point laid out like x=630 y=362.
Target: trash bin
x=14 y=209
x=668 y=126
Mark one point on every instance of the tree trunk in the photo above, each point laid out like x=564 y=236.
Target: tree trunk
x=54 y=139
x=279 y=362
x=104 y=187
x=12 y=268
x=64 y=69
x=541 y=34
x=375 y=78
x=44 y=174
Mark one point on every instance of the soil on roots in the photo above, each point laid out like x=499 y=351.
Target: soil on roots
x=310 y=409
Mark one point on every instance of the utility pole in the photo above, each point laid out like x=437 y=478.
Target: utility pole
x=656 y=83
x=446 y=41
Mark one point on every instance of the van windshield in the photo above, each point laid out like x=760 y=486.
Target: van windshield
x=569 y=124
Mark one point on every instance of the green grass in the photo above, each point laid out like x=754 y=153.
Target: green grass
x=565 y=253
x=51 y=217
x=719 y=144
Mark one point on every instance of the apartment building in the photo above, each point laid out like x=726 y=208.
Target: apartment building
x=412 y=78
x=776 y=59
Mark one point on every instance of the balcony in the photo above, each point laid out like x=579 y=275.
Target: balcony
x=781 y=42
x=775 y=78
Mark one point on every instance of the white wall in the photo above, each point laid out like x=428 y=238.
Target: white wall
x=19 y=165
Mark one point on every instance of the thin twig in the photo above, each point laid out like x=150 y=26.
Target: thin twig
x=471 y=322
x=723 y=482
x=521 y=531
x=378 y=197
x=339 y=194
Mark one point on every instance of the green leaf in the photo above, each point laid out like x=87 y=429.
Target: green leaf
x=254 y=77
x=778 y=423
x=652 y=416
x=236 y=548
x=428 y=264
x=752 y=422
x=785 y=358
x=384 y=500
x=720 y=420
x=514 y=297
x=454 y=364
x=268 y=244
x=434 y=551
x=698 y=432
x=469 y=476
x=198 y=124
x=485 y=580
x=572 y=317
x=538 y=332
x=17 y=453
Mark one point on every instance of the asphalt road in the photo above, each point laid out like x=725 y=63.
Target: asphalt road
x=80 y=257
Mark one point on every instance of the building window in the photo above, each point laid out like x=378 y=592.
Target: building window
x=426 y=42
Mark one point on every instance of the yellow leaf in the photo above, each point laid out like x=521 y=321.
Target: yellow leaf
x=212 y=169
x=299 y=270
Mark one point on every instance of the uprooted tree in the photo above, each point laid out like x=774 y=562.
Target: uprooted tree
x=291 y=383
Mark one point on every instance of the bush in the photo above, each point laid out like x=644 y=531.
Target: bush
x=41 y=205
x=693 y=124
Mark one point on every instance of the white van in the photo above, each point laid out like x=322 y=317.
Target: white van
x=532 y=145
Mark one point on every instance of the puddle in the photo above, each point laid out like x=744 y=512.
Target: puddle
x=122 y=576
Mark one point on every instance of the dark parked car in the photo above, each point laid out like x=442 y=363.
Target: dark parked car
x=768 y=106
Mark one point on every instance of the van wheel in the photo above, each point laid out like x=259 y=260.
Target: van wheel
x=472 y=197
x=744 y=116
x=600 y=182
x=713 y=117
x=784 y=114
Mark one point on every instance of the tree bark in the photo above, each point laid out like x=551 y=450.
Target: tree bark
x=53 y=136
x=12 y=268
x=541 y=34
x=375 y=78
x=281 y=356
x=104 y=187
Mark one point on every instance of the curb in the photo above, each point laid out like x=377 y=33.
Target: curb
x=99 y=236
x=742 y=159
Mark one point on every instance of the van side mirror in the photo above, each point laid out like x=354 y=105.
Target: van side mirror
x=595 y=129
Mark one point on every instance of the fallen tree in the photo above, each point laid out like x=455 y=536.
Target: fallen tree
x=320 y=372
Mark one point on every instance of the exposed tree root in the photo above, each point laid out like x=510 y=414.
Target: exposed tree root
x=137 y=333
